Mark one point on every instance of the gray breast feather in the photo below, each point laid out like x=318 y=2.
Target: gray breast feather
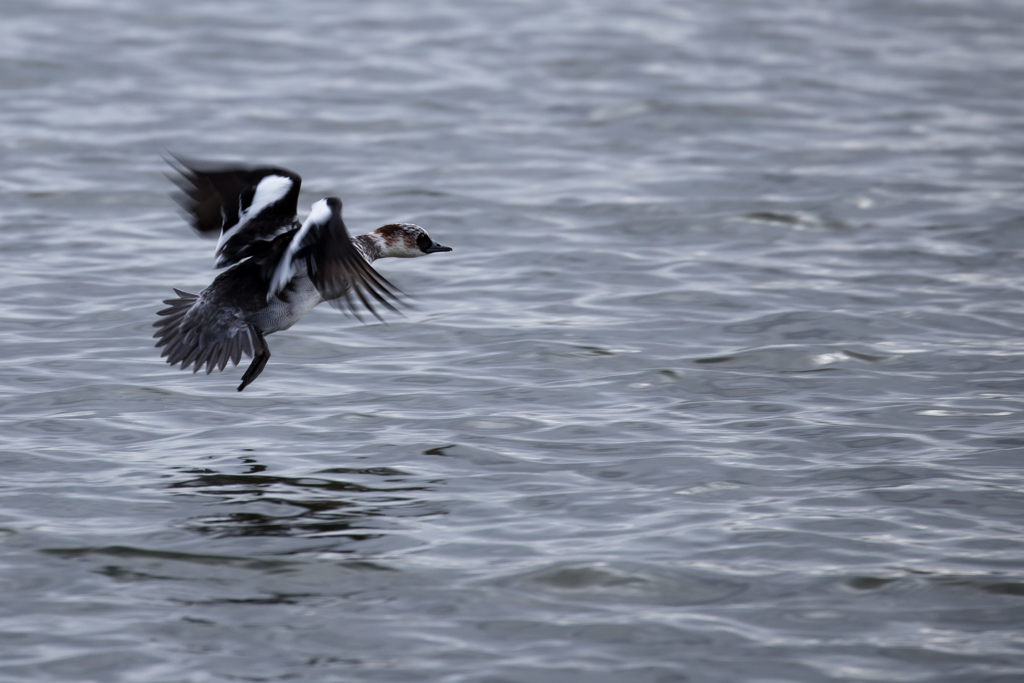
x=284 y=310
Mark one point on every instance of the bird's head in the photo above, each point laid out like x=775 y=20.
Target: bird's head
x=405 y=240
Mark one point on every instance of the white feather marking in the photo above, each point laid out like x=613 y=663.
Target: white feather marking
x=319 y=214
x=270 y=190
x=370 y=246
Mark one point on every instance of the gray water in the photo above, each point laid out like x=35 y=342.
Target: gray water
x=722 y=381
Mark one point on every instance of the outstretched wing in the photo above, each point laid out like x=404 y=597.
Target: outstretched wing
x=241 y=204
x=337 y=269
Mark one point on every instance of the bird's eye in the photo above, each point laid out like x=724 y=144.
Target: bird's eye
x=423 y=242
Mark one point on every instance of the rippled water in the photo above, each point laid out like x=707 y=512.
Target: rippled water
x=722 y=382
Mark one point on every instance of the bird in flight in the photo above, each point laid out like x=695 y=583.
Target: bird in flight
x=278 y=267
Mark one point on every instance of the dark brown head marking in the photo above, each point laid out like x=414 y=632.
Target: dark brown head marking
x=403 y=235
x=388 y=231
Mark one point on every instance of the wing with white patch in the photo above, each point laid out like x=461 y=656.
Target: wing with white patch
x=240 y=204
x=339 y=272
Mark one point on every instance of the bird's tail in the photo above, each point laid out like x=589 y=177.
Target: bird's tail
x=208 y=335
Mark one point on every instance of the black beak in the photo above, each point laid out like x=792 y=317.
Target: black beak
x=435 y=247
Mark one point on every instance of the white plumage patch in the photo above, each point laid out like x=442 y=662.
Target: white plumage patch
x=270 y=190
x=319 y=215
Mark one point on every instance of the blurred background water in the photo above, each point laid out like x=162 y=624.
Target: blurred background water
x=722 y=381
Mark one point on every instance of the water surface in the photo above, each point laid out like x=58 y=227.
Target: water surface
x=721 y=382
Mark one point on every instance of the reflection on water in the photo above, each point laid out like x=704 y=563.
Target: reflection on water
x=257 y=504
